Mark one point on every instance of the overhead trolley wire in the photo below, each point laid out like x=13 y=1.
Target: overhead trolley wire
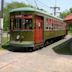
x=36 y=4
x=43 y=4
x=28 y=2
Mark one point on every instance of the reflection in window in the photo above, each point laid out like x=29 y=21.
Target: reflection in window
x=27 y=23
x=17 y=24
x=11 y=24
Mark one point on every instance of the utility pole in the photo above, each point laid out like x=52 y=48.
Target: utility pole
x=55 y=8
x=1 y=21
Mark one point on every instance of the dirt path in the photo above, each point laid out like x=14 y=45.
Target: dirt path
x=44 y=60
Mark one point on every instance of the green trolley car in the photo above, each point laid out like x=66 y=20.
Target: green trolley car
x=33 y=28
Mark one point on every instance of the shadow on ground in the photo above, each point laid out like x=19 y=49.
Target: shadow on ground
x=65 y=51
x=17 y=49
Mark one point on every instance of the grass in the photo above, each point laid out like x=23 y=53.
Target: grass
x=70 y=32
x=2 y=49
x=65 y=51
x=5 y=41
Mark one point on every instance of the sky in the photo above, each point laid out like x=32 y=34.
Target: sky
x=46 y=4
x=0 y=5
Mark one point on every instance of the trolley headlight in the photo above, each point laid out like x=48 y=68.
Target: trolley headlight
x=18 y=37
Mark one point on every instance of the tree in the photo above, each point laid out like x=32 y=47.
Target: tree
x=65 y=13
x=7 y=9
x=70 y=10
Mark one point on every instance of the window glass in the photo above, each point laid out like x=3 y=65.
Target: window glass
x=27 y=24
x=16 y=23
x=21 y=23
x=11 y=23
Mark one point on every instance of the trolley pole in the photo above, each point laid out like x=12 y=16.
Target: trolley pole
x=1 y=21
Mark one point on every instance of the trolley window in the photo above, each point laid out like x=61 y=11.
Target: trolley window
x=20 y=22
x=17 y=24
x=27 y=24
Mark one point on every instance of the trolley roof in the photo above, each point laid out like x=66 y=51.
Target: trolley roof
x=33 y=10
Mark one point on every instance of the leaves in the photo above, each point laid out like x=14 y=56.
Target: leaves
x=65 y=13
x=7 y=9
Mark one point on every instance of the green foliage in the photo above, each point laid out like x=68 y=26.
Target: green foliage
x=7 y=9
x=65 y=13
x=70 y=10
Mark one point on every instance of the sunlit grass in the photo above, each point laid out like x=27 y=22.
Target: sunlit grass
x=66 y=51
x=5 y=41
x=70 y=32
x=1 y=49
